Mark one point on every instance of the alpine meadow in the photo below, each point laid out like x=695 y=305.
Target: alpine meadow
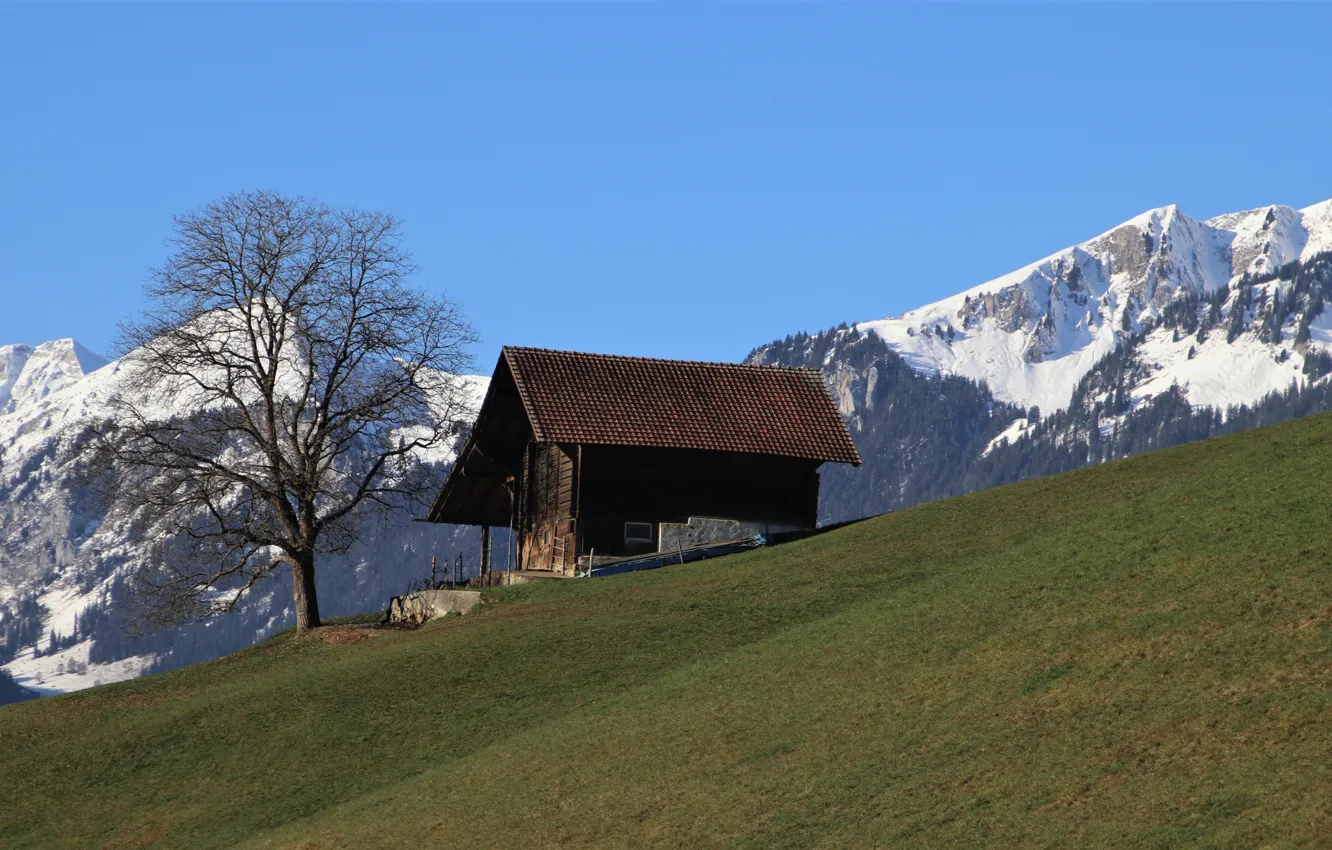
x=1133 y=655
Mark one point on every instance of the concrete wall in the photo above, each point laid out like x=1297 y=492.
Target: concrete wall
x=428 y=604
x=699 y=531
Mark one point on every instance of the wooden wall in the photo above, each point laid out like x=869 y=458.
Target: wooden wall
x=550 y=473
x=577 y=499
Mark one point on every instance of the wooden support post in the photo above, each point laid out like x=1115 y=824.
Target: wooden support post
x=485 y=554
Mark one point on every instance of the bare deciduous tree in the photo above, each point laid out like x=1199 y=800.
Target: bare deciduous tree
x=283 y=381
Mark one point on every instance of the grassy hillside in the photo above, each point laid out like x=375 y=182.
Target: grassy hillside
x=1136 y=655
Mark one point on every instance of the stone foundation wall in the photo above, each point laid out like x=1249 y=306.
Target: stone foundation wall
x=417 y=608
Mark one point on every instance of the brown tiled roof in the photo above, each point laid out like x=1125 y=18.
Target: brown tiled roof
x=637 y=401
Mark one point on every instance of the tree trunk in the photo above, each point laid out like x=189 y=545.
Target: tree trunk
x=303 y=588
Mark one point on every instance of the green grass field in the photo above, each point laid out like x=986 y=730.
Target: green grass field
x=1137 y=655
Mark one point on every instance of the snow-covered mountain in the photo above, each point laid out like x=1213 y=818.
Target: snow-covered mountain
x=1160 y=331
x=65 y=558
x=1031 y=335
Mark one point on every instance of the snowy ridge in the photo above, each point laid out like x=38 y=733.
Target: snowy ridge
x=28 y=374
x=1032 y=334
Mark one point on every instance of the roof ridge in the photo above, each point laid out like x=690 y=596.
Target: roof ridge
x=671 y=360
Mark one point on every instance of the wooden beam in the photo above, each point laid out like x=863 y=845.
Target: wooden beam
x=485 y=553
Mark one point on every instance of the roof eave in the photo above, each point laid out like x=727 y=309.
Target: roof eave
x=524 y=395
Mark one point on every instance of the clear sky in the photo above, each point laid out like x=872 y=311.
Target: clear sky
x=658 y=179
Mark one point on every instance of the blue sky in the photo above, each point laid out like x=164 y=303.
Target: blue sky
x=658 y=179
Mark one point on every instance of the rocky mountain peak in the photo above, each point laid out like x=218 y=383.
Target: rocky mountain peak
x=28 y=374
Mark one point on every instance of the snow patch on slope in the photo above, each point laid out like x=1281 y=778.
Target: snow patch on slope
x=1014 y=432
x=1220 y=373
x=70 y=670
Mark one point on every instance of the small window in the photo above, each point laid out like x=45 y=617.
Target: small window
x=638 y=532
x=546 y=538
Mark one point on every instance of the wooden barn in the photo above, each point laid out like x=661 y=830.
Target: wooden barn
x=589 y=454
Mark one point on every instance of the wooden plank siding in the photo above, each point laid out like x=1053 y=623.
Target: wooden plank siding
x=548 y=515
